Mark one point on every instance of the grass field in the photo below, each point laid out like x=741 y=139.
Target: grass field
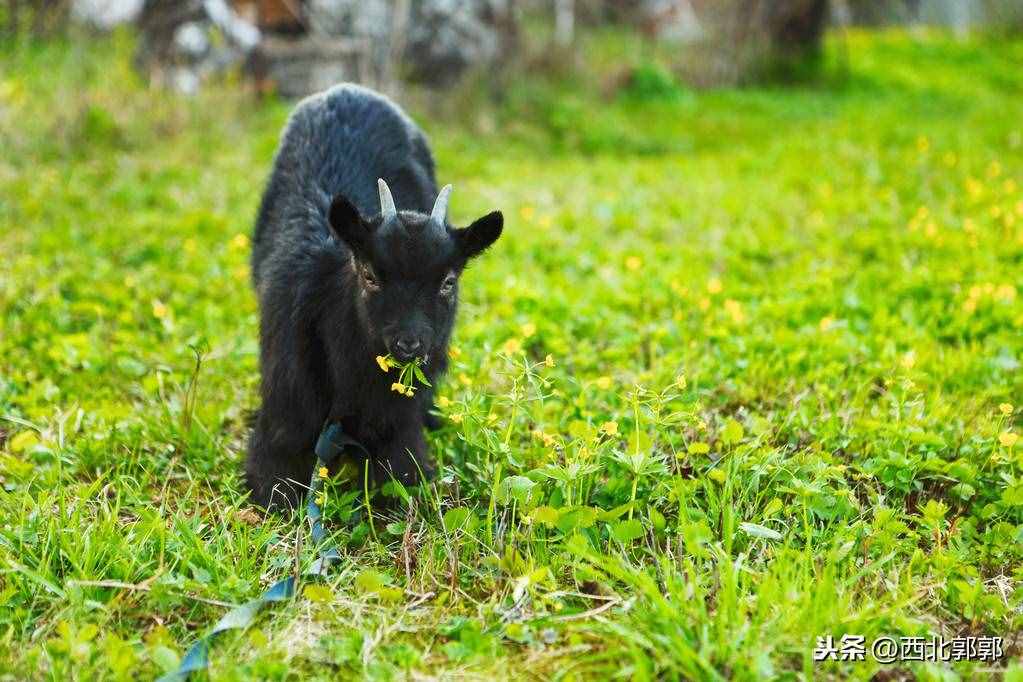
x=743 y=371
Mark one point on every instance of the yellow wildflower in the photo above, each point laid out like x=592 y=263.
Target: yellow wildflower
x=714 y=285
x=528 y=329
x=633 y=263
x=454 y=352
x=456 y=418
x=734 y=310
x=384 y=363
x=398 y=388
x=323 y=472
x=464 y=379
x=549 y=360
x=610 y=428
x=443 y=401
x=826 y=322
x=1008 y=439
x=159 y=309
x=512 y=346
x=1005 y=292
x=1005 y=408
x=604 y=383
x=527 y=213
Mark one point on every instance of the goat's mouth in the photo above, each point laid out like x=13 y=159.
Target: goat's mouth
x=405 y=357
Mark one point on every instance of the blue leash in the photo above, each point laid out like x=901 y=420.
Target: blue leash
x=333 y=441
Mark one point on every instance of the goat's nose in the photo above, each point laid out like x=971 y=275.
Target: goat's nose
x=408 y=345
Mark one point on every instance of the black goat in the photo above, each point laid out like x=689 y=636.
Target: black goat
x=340 y=282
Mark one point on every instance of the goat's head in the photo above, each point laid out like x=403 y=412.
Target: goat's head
x=407 y=266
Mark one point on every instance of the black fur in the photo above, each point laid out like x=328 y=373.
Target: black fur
x=338 y=286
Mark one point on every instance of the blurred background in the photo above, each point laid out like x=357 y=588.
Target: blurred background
x=295 y=47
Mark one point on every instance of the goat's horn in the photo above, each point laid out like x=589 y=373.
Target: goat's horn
x=440 y=209
x=387 y=210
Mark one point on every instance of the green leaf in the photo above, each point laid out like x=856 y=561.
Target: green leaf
x=627 y=531
x=164 y=657
x=758 y=531
x=370 y=581
x=574 y=518
x=455 y=518
x=547 y=516
x=23 y=441
x=698 y=448
x=317 y=593
x=732 y=432
x=515 y=489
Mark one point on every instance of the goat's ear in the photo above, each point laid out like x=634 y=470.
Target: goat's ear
x=346 y=223
x=475 y=239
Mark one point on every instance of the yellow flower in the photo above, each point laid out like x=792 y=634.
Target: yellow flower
x=604 y=383
x=456 y=418
x=922 y=144
x=1005 y=292
x=464 y=380
x=681 y=382
x=410 y=391
x=528 y=329
x=527 y=213
x=384 y=363
x=443 y=401
x=512 y=346
x=610 y=428
x=1005 y=408
x=633 y=263
x=994 y=169
x=1008 y=439
x=826 y=322
x=398 y=388
x=549 y=360
x=239 y=242
x=454 y=352
x=734 y=310
x=159 y=309
x=704 y=303
x=908 y=360
x=323 y=472
x=714 y=285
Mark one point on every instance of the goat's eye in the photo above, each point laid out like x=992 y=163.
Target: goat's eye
x=368 y=278
x=448 y=285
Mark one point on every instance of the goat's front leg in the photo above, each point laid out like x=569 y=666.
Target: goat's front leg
x=405 y=457
x=280 y=462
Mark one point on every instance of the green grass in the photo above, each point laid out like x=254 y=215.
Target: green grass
x=779 y=323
